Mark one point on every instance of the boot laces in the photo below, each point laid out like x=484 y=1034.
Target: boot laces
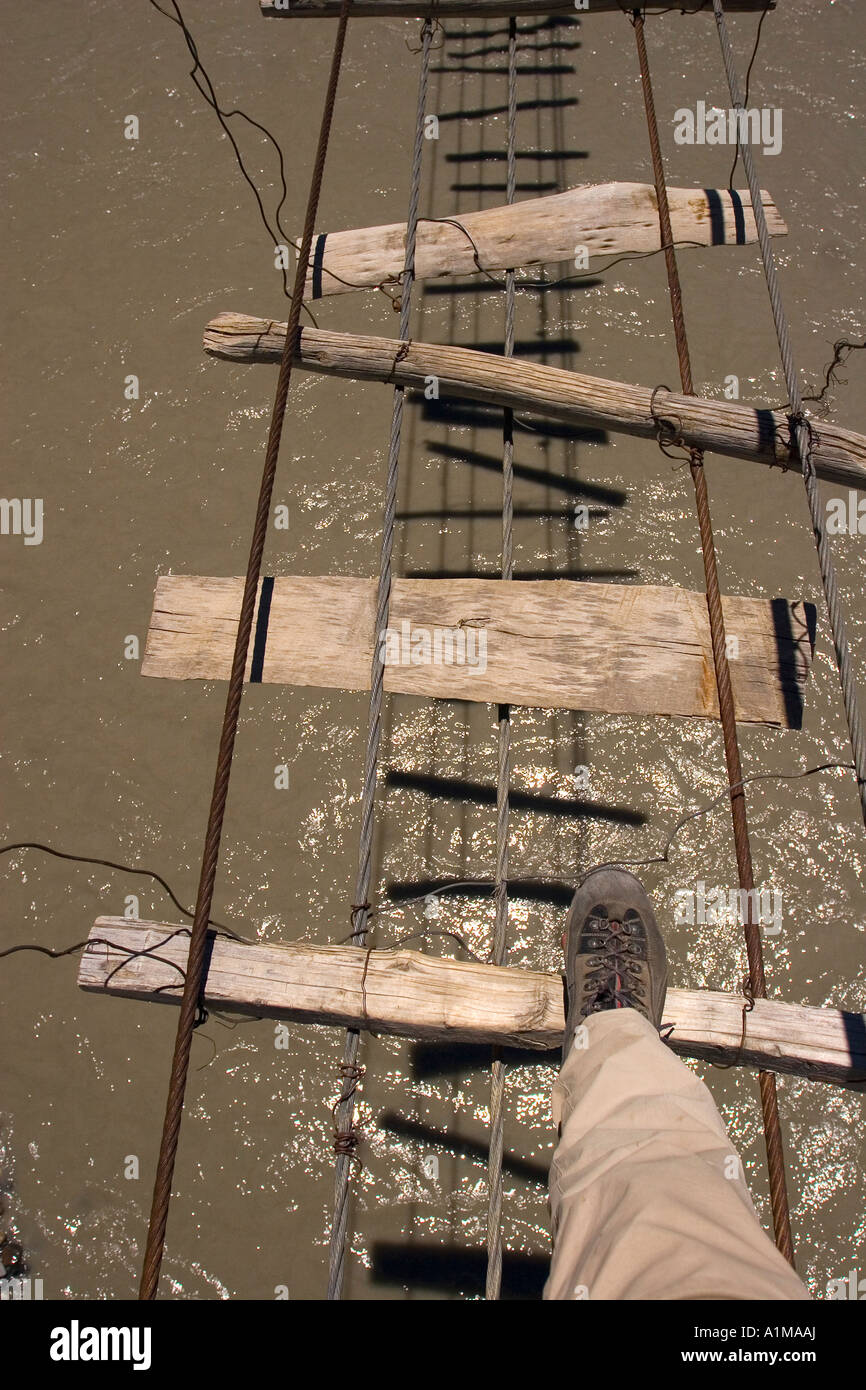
x=613 y=980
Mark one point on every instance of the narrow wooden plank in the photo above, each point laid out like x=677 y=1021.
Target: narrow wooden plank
x=722 y=427
x=418 y=996
x=623 y=649
x=481 y=9
x=603 y=218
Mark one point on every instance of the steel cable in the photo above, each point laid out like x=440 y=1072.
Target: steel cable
x=503 y=776
x=344 y=1111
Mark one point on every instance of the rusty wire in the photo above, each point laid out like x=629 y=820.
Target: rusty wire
x=189 y=1005
x=751 y=931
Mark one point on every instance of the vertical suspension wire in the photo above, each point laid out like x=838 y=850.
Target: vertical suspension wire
x=757 y=987
x=802 y=432
x=499 y=947
x=344 y=1110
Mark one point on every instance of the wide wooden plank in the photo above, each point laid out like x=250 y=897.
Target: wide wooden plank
x=636 y=649
x=603 y=218
x=718 y=426
x=419 y=996
x=481 y=9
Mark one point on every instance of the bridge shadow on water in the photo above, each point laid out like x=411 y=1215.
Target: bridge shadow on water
x=456 y=1269
x=459 y=1268
x=551 y=891
x=526 y=472
x=480 y=794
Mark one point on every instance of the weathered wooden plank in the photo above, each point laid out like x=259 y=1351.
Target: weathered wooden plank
x=481 y=9
x=562 y=644
x=418 y=996
x=603 y=218
x=722 y=427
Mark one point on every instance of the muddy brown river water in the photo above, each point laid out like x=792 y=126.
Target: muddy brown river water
x=116 y=253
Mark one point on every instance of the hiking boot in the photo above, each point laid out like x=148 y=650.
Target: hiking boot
x=614 y=952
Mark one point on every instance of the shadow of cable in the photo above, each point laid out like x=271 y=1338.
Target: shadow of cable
x=501 y=156
x=478 y=793
x=558 y=894
x=524 y=70
x=495 y=514
x=596 y=576
x=536 y=187
x=483 y=285
x=463 y=414
x=461 y=1146
x=555 y=46
x=528 y=347
x=480 y=113
x=543 y=27
x=575 y=487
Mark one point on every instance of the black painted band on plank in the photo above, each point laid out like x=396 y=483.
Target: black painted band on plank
x=318 y=257
x=717 y=217
x=257 y=665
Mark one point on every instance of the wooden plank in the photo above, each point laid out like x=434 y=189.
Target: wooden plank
x=722 y=427
x=481 y=9
x=623 y=649
x=603 y=218
x=419 y=996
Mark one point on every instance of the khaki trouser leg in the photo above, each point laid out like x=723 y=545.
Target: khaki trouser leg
x=641 y=1204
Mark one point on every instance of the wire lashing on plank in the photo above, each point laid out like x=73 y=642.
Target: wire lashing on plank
x=668 y=429
x=751 y=931
x=361 y=912
x=199 y=935
x=748 y=1006
x=346 y=1141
